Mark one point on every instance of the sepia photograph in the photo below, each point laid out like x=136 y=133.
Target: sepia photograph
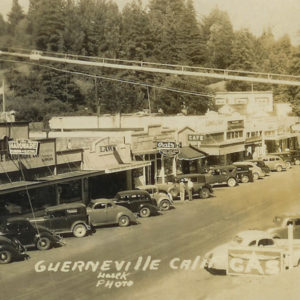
x=149 y=149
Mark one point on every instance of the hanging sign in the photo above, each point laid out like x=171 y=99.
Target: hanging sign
x=23 y=147
x=168 y=149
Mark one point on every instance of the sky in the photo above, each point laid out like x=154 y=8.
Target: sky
x=282 y=16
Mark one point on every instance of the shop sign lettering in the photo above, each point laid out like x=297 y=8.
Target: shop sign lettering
x=23 y=147
x=195 y=137
x=254 y=262
x=168 y=149
x=108 y=148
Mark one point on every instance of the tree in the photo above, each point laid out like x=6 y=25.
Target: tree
x=218 y=35
x=15 y=16
x=136 y=39
x=172 y=102
x=46 y=24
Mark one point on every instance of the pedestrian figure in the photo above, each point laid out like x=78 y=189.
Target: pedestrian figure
x=190 y=186
x=182 y=190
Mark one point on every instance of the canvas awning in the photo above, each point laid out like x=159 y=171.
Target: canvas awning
x=190 y=153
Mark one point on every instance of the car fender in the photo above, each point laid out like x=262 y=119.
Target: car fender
x=11 y=249
x=150 y=206
x=45 y=234
x=88 y=227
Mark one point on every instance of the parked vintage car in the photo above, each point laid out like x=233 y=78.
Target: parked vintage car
x=261 y=165
x=244 y=173
x=65 y=218
x=295 y=154
x=29 y=235
x=11 y=249
x=286 y=157
x=200 y=186
x=138 y=202
x=275 y=163
x=222 y=175
x=105 y=211
x=257 y=172
x=281 y=226
x=163 y=201
x=217 y=258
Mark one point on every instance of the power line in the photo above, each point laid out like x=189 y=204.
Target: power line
x=146 y=85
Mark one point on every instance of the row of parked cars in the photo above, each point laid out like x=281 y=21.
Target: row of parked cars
x=78 y=219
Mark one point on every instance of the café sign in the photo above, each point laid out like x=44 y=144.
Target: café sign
x=23 y=147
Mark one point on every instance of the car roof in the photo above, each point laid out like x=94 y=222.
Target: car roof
x=253 y=234
x=288 y=215
x=269 y=156
x=102 y=200
x=189 y=175
x=132 y=192
x=65 y=206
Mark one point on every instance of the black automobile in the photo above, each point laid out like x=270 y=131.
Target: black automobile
x=65 y=218
x=30 y=235
x=11 y=249
x=137 y=201
x=261 y=164
x=243 y=172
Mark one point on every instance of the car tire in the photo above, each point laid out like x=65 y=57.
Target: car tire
x=297 y=162
x=288 y=165
x=205 y=193
x=255 y=176
x=164 y=205
x=245 y=179
x=79 y=230
x=124 y=221
x=5 y=257
x=231 y=182
x=145 y=212
x=279 y=168
x=43 y=243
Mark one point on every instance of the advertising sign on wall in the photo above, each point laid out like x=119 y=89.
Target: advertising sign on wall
x=23 y=147
x=254 y=262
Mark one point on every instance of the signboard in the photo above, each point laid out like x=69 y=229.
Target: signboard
x=195 y=137
x=107 y=148
x=248 y=261
x=23 y=147
x=236 y=124
x=169 y=149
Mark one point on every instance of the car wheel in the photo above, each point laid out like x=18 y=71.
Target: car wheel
x=43 y=243
x=5 y=257
x=231 y=182
x=288 y=165
x=255 y=176
x=245 y=179
x=164 y=205
x=297 y=162
x=205 y=193
x=79 y=230
x=145 y=212
x=124 y=221
x=279 y=168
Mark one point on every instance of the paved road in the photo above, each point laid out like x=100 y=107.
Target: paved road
x=188 y=231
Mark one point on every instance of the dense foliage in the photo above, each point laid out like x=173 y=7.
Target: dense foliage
x=166 y=31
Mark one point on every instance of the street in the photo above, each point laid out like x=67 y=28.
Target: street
x=155 y=248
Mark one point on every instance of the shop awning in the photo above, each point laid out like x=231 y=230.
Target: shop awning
x=46 y=181
x=281 y=137
x=223 y=149
x=126 y=167
x=190 y=153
